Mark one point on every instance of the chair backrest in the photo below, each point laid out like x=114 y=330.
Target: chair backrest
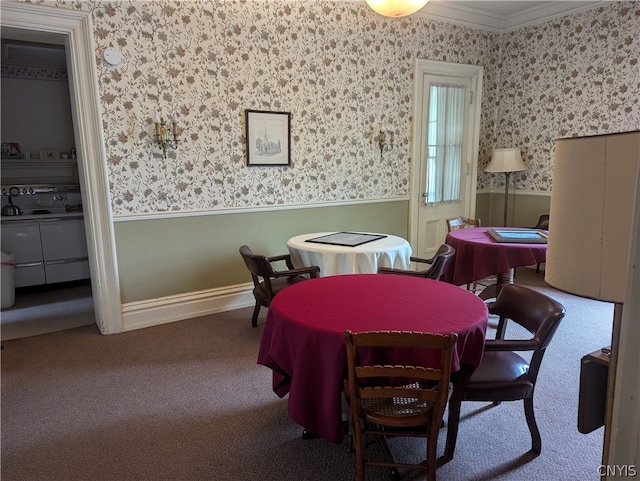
x=258 y=265
x=370 y=376
x=440 y=262
x=536 y=312
x=543 y=222
x=462 y=222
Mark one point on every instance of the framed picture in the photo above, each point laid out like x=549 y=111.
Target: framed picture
x=10 y=150
x=268 y=137
x=49 y=155
x=348 y=239
x=519 y=236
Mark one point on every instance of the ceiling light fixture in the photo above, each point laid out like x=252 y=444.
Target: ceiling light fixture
x=396 y=8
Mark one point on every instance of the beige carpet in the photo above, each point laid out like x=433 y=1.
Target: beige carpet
x=187 y=401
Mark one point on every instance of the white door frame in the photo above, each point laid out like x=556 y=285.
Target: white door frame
x=432 y=67
x=74 y=29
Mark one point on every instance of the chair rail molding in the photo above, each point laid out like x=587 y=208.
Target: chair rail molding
x=246 y=210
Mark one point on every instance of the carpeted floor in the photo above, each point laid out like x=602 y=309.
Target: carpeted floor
x=187 y=401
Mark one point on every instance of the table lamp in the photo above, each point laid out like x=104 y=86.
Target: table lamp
x=590 y=223
x=507 y=161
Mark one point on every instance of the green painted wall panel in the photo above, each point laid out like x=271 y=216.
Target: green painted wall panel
x=164 y=257
x=524 y=209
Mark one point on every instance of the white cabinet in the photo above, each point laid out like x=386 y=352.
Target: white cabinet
x=62 y=238
x=46 y=250
x=22 y=239
x=64 y=249
x=67 y=270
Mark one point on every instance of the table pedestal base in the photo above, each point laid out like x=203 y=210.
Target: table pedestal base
x=502 y=279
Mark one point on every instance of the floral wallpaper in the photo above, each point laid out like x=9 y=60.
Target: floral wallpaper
x=343 y=72
x=572 y=76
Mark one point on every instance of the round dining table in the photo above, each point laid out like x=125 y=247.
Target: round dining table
x=303 y=337
x=333 y=259
x=478 y=256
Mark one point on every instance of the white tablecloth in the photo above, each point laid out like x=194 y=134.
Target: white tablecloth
x=390 y=251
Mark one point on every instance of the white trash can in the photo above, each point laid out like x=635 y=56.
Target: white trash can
x=7 y=282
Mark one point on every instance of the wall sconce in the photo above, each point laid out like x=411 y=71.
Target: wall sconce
x=386 y=140
x=166 y=135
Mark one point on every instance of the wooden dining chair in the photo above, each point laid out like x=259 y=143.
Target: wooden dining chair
x=503 y=374
x=268 y=281
x=462 y=222
x=412 y=406
x=438 y=264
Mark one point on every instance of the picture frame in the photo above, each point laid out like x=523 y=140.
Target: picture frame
x=519 y=236
x=10 y=150
x=49 y=155
x=268 y=138
x=347 y=239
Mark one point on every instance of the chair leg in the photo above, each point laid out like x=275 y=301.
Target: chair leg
x=254 y=319
x=388 y=455
x=536 y=441
x=432 y=448
x=502 y=327
x=459 y=380
x=360 y=461
x=351 y=434
x=453 y=420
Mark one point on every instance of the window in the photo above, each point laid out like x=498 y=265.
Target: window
x=444 y=142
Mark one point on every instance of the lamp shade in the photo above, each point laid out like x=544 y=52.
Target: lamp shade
x=591 y=215
x=506 y=160
x=396 y=8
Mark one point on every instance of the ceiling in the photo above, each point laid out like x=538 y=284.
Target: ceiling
x=502 y=15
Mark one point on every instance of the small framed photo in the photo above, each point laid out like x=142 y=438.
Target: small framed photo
x=10 y=150
x=268 y=136
x=49 y=155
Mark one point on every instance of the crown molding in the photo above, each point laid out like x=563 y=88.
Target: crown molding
x=476 y=18
x=459 y=15
x=540 y=14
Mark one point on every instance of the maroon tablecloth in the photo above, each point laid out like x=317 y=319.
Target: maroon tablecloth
x=303 y=342
x=478 y=255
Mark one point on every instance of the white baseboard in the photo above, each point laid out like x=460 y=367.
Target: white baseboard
x=161 y=310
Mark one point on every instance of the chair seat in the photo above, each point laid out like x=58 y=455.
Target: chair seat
x=277 y=284
x=504 y=371
x=406 y=407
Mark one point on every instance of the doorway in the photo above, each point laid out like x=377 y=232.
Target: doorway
x=73 y=29
x=34 y=91
x=446 y=135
